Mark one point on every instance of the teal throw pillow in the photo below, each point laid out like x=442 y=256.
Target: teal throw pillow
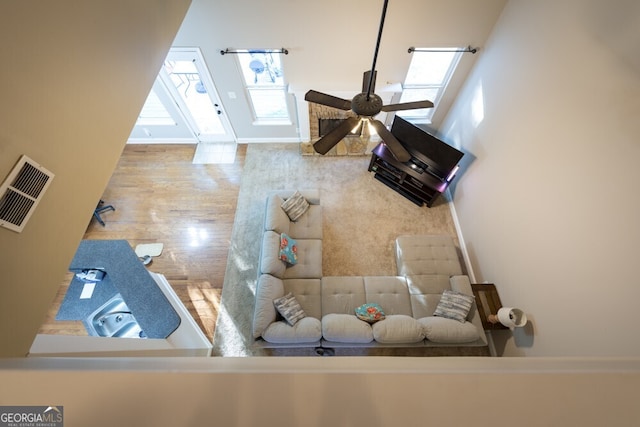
x=370 y=312
x=288 y=249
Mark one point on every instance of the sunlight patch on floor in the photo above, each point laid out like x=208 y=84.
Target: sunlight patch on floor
x=215 y=153
x=206 y=303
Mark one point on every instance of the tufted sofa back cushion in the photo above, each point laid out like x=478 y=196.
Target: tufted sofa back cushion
x=390 y=292
x=425 y=291
x=342 y=294
x=307 y=293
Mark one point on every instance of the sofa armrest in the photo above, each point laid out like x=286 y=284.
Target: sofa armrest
x=268 y=288
x=275 y=218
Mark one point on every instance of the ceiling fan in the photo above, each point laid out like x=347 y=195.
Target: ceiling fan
x=365 y=105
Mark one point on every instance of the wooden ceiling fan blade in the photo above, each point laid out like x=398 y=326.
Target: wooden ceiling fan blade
x=366 y=78
x=408 y=106
x=392 y=143
x=328 y=100
x=327 y=142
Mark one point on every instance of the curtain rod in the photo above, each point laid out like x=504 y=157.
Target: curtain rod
x=240 y=52
x=468 y=49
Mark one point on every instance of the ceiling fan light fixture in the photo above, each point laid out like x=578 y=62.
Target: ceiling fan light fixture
x=366 y=105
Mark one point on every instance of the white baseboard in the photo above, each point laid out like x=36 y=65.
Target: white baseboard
x=463 y=246
x=294 y=140
x=467 y=263
x=161 y=141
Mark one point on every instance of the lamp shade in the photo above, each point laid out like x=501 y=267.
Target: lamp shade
x=512 y=317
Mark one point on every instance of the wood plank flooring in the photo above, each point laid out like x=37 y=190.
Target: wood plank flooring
x=161 y=197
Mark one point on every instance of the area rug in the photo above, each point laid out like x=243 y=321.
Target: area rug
x=361 y=219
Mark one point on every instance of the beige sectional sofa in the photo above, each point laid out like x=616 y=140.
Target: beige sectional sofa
x=426 y=267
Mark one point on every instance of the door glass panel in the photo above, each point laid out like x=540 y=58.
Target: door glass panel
x=186 y=79
x=154 y=113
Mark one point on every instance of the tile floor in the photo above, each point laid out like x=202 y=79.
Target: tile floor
x=215 y=152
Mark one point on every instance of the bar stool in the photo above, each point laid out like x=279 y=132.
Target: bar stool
x=100 y=208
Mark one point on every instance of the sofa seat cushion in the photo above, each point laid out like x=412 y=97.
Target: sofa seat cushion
x=346 y=328
x=309 y=263
x=397 y=329
x=342 y=294
x=427 y=254
x=305 y=330
x=390 y=292
x=425 y=291
x=307 y=293
x=448 y=331
x=309 y=225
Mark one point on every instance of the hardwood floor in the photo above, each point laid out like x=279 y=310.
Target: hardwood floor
x=161 y=197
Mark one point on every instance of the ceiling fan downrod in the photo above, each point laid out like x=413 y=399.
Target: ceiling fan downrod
x=375 y=54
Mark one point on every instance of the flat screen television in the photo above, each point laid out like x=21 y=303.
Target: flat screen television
x=439 y=156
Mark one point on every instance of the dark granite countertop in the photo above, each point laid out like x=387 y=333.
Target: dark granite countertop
x=74 y=308
x=125 y=274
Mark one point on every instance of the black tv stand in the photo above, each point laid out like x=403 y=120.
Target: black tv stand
x=426 y=175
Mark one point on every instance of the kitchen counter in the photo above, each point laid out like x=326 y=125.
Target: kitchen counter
x=125 y=274
x=188 y=340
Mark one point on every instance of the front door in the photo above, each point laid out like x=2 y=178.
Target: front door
x=183 y=105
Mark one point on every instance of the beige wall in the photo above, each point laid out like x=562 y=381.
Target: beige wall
x=548 y=203
x=74 y=76
x=330 y=391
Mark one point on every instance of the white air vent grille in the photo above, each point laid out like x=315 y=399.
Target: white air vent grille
x=21 y=192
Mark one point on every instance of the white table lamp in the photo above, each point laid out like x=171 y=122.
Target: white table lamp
x=509 y=317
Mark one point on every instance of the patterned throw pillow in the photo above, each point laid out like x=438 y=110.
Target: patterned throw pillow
x=370 y=312
x=454 y=305
x=289 y=308
x=288 y=249
x=295 y=206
